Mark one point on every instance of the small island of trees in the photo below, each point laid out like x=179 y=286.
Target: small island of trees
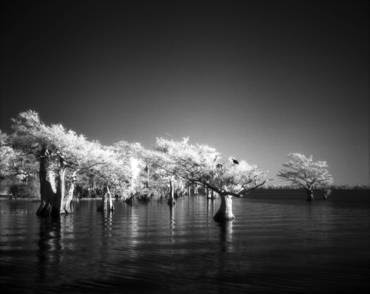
x=63 y=164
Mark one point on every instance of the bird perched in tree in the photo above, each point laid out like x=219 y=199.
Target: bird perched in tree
x=235 y=161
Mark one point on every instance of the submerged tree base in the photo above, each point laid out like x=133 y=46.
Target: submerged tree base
x=103 y=208
x=310 y=196
x=107 y=201
x=326 y=194
x=49 y=209
x=171 y=202
x=130 y=200
x=46 y=210
x=221 y=217
x=225 y=212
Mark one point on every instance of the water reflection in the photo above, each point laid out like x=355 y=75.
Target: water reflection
x=172 y=222
x=56 y=236
x=67 y=231
x=49 y=246
x=172 y=217
x=151 y=248
x=107 y=222
x=132 y=229
x=226 y=236
x=210 y=207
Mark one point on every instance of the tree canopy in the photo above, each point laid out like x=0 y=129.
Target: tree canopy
x=125 y=167
x=205 y=165
x=304 y=172
x=14 y=162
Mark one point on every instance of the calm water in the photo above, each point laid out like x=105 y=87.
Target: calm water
x=276 y=244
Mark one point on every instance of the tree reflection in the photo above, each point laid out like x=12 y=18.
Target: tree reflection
x=52 y=243
x=210 y=208
x=50 y=246
x=107 y=222
x=67 y=231
x=172 y=221
x=226 y=234
x=132 y=231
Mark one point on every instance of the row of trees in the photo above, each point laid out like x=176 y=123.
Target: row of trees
x=61 y=158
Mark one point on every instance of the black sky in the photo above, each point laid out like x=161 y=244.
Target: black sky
x=257 y=80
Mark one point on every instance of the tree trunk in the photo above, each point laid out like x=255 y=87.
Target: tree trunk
x=171 y=200
x=207 y=193
x=130 y=199
x=326 y=194
x=66 y=206
x=107 y=200
x=225 y=212
x=61 y=188
x=194 y=189
x=92 y=187
x=50 y=192
x=148 y=176
x=172 y=218
x=310 y=195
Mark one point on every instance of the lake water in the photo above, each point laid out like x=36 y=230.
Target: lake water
x=277 y=243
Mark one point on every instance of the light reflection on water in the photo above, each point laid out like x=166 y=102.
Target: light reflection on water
x=274 y=245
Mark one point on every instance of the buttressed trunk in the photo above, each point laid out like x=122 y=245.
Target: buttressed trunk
x=326 y=194
x=107 y=200
x=66 y=206
x=51 y=189
x=310 y=195
x=172 y=200
x=225 y=212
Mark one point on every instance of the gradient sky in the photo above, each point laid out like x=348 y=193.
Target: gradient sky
x=255 y=81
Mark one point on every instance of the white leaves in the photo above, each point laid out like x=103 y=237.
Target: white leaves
x=123 y=162
x=305 y=172
x=14 y=162
x=204 y=164
x=7 y=157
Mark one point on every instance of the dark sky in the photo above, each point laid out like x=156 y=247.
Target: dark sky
x=255 y=81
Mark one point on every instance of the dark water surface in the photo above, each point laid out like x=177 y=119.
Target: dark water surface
x=276 y=244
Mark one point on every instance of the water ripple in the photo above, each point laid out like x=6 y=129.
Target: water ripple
x=274 y=245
